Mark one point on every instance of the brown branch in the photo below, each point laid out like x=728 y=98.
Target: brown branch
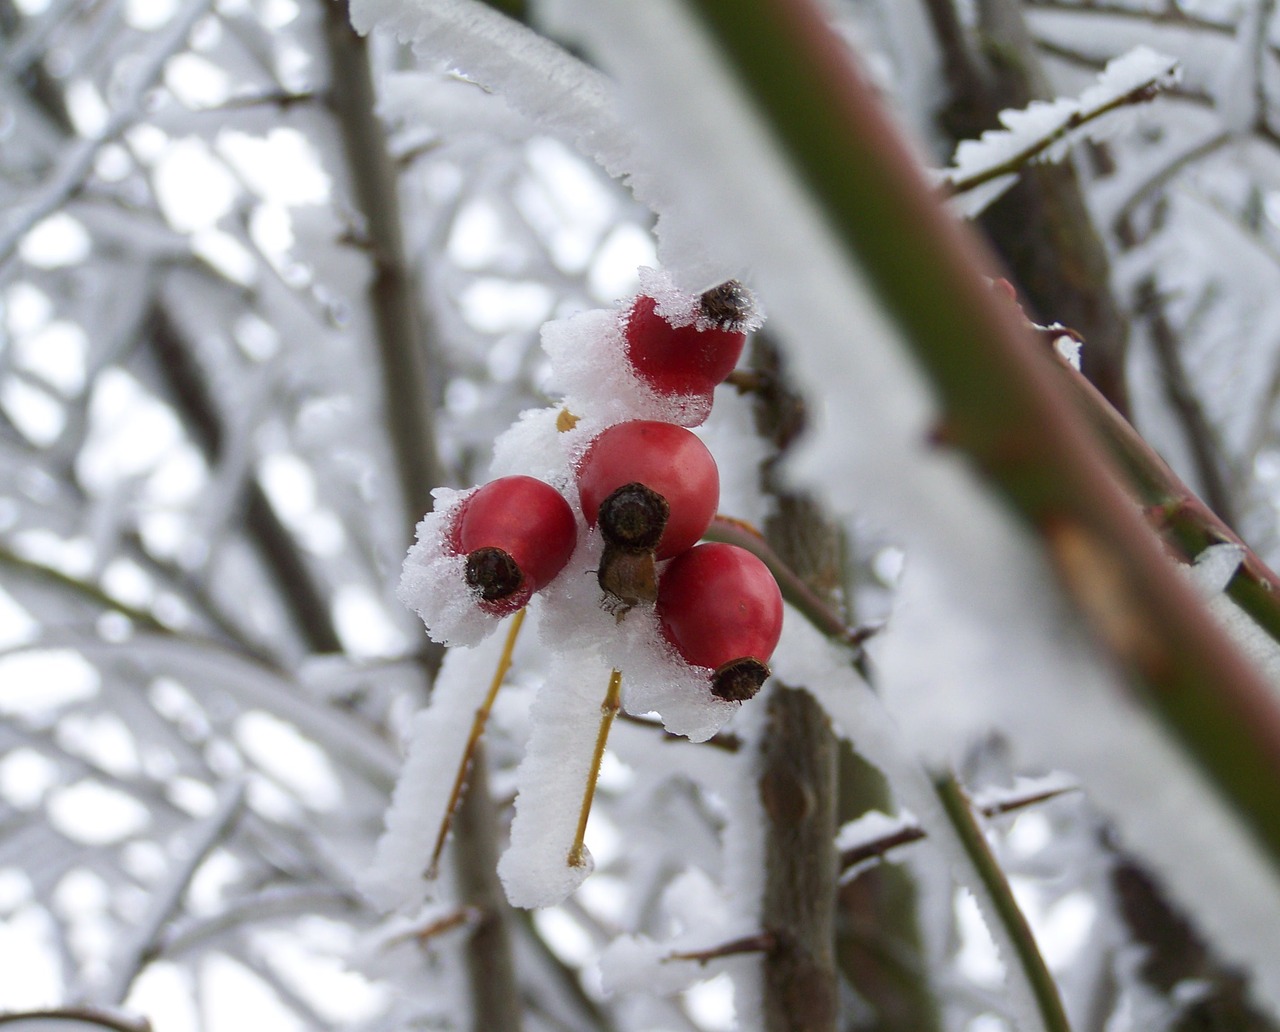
x=79 y=1016
x=495 y=992
x=762 y=942
x=797 y=772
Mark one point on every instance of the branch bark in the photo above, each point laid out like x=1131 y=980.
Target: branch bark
x=495 y=993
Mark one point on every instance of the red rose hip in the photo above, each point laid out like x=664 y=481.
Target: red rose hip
x=517 y=534
x=653 y=488
x=720 y=607
x=689 y=360
x=669 y=461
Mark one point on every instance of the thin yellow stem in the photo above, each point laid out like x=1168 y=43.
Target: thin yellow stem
x=477 y=729
x=608 y=710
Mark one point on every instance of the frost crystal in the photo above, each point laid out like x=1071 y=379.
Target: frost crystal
x=432 y=581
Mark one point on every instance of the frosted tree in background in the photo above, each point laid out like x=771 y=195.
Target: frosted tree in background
x=272 y=272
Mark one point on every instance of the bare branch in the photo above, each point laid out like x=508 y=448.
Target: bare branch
x=144 y=944
x=77 y=163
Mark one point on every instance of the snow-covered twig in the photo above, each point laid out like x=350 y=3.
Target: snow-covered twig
x=1045 y=128
x=959 y=810
x=78 y=161
x=144 y=943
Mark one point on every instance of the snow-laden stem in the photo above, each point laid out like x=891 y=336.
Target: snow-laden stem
x=1000 y=405
x=608 y=710
x=958 y=184
x=144 y=944
x=956 y=804
x=473 y=740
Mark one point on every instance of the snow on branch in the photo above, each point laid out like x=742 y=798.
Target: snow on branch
x=1044 y=130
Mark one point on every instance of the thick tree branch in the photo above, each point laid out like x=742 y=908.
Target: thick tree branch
x=999 y=401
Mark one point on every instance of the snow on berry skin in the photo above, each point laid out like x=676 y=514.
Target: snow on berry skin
x=689 y=359
x=606 y=377
x=720 y=607
x=434 y=579
x=517 y=534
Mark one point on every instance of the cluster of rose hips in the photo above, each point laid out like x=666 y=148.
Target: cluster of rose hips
x=652 y=488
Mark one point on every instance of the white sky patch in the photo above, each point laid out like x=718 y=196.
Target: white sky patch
x=28 y=945
x=196 y=81
x=362 y=623
x=626 y=249
x=130 y=431
x=149 y=15
x=163 y=993
x=26 y=308
x=308 y=958
x=37 y=416
x=55 y=353
x=127 y=581
x=236 y=998
x=25 y=777
x=977 y=957
x=290 y=485
x=192 y=187
x=506 y=306
x=39 y=681
x=16 y=624
x=226 y=254
x=272 y=230
x=710 y=1003
x=283 y=168
x=476 y=238
x=294 y=761
x=55 y=242
x=102 y=738
x=95 y=815
x=88 y=111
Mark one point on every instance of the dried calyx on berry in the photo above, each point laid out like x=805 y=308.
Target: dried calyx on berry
x=684 y=351
x=653 y=489
x=517 y=533
x=719 y=607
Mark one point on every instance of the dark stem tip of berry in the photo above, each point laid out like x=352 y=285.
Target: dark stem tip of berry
x=633 y=518
x=493 y=573
x=738 y=680
x=728 y=306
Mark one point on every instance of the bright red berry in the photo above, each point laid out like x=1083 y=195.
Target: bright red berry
x=653 y=488
x=720 y=607
x=689 y=360
x=517 y=534
x=668 y=460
